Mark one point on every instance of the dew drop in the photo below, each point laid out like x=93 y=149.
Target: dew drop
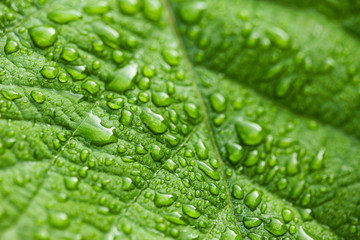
x=161 y=99
x=59 y=220
x=71 y=183
x=171 y=56
x=250 y=222
x=279 y=37
x=43 y=36
x=164 y=200
x=69 y=54
x=91 y=86
x=237 y=192
x=253 y=199
x=191 y=211
x=49 y=72
x=129 y=7
x=116 y=103
x=38 y=96
x=229 y=234
x=11 y=46
x=98 y=7
x=276 y=226
x=208 y=171
x=153 y=10
x=287 y=215
x=292 y=165
x=92 y=130
x=252 y=158
x=318 y=162
x=63 y=16
x=10 y=94
x=249 y=133
x=155 y=122
x=192 y=110
x=218 y=102
x=192 y=12
x=123 y=78
x=201 y=150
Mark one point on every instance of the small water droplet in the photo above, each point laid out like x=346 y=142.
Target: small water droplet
x=98 y=7
x=153 y=9
x=10 y=94
x=91 y=86
x=161 y=99
x=208 y=171
x=71 y=183
x=250 y=222
x=201 y=150
x=129 y=7
x=171 y=56
x=218 y=102
x=276 y=226
x=192 y=110
x=237 y=192
x=116 y=103
x=69 y=54
x=279 y=37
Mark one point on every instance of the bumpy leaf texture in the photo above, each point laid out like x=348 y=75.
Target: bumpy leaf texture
x=150 y=119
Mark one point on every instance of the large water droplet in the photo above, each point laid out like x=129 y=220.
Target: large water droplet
x=276 y=227
x=163 y=200
x=191 y=12
x=92 y=130
x=43 y=36
x=91 y=86
x=155 y=122
x=161 y=99
x=249 y=133
x=279 y=37
x=69 y=54
x=123 y=78
x=237 y=192
x=201 y=150
x=208 y=171
x=191 y=211
x=235 y=151
x=63 y=16
x=153 y=9
x=253 y=199
x=218 y=102
x=38 y=96
x=171 y=56
x=10 y=94
x=251 y=222
x=49 y=72
x=11 y=46
x=59 y=220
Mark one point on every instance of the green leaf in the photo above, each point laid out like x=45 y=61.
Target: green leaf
x=179 y=119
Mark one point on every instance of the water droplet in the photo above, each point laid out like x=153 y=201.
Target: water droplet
x=251 y=222
x=98 y=7
x=63 y=16
x=191 y=211
x=77 y=72
x=298 y=189
x=164 y=200
x=49 y=72
x=303 y=235
x=161 y=99
x=38 y=96
x=144 y=83
x=252 y=158
x=153 y=9
x=253 y=199
x=208 y=171
x=123 y=78
x=128 y=184
x=69 y=54
x=249 y=133
x=157 y=152
x=276 y=226
x=11 y=46
x=116 y=103
x=10 y=94
x=192 y=12
x=92 y=130
x=287 y=215
x=118 y=56
x=59 y=220
x=318 y=162
x=279 y=37
x=43 y=36
x=201 y=150
x=155 y=122
x=292 y=165
x=176 y=218
x=218 y=102
x=126 y=117
x=129 y=7
x=170 y=165
x=71 y=183
x=171 y=56
x=192 y=110
x=284 y=86
x=214 y=190
x=237 y=192
x=230 y=235
x=235 y=151
x=254 y=236
x=91 y=86
x=148 y=71
x=107 y=33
